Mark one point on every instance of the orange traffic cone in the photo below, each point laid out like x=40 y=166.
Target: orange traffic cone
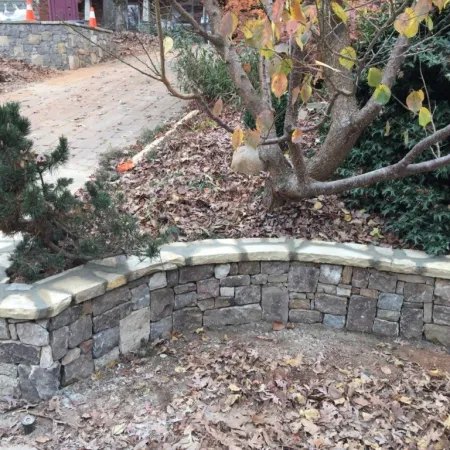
x=29 y=16
x=92 y=19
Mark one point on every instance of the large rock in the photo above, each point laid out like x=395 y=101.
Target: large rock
x=196 y=273
x=161 y=329
x=235 y=280
x=46 y=357
x=111 y=318
x=391 y=316
x=391 y=302
x=411 y=323
x=418 y=293
x=360 y=277
x=235 y=315
x=107 y=358
x=172 y=278
x=275 y=304
x=135 y=330
x=331 y=304
x=244 y=295
x=140 y=297
x=27 y=390
x=157 y=281
x=261 y=278
x=71 y=355
x=33 y=334
x=208 y=288
x=60 y=342
x=385 y=328
x=187 y=320
x=274 y=267
x=439 y=334
x=46 y=381
x=442 y=292
x=361 y=313
x=303 y=278
x=441 y=315
x=299 y=303
x=185 y=288
x=9 y=381
x=249 y=267
x=81 y=368
x=4 y=330
x=330 y=274
x=80 y=330
x=382 y=281
x=14 y=352
x=222 y=270
x=332 y=321
x=161 y=303
x=104 y=341
x=305 y=316
x=111 y=299
x=65 y=317
x=183 y=300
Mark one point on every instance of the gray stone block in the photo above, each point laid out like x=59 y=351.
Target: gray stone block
x=297 y=296
x=172 y=278
x=278 y=278
x=33 y=334
x=249 y=267
x=428 y=312
x=27 y=390
x=331 y=304
x=360 y=278
x=274 y=267
x=333 y=321
x=184 y=288
x=235 y=280
x=161 y=303
x=77 y=370
x=59 y=342
x=187 y=320
x=134 y=330
x=106 y=359
x=80 y=330
x=14 y=352
x=442 y=292
x=327 y=289
x=111 y=318
x=303 y=278
x=111 y=299
x=13 y=332
x=259 y=279
x=305 y=316
x=382 y=281
x=330 y=274
x=411 y=323
x=235 y=315
x=183 y=300
x=46 y=382
x=196 y=273
x=385 y=328
x=105 y=341
x=71 y=356
x=4 y=330
x=409 y=305
x=161 y=329
x=361 y=313
x=275 y=304
x=391 y=316
x=208 y=288
x=66 y=317
x=157 y=281
x=206 y=304
x=223 y=302
x=227 y=292
x=244 y=295
x=441 y=315
x=391 y=302
x=439 y=334
x=418 y=293
x=140 y=297
x=8 y=370
x=222 y=270
x=299 y=304
x=347 y=275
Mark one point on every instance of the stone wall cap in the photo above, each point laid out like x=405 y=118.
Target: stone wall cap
x=52 y=295
x=56 y=22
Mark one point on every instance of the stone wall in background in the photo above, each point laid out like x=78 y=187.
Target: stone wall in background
x=39 y=356
x=54 y=44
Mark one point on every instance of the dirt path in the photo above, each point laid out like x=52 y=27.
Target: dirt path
x=97 y=108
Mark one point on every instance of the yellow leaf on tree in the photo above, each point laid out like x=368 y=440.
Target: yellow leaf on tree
x=279 y=84
x=407 y=23
x=252 y=138
x=422 y=9
x=306 y=92
x=167 y=44
x=424 y=116
x=414 y=100
x=296 y=11
x=348 y=57
x=339 y=11
x=374 y=77
x=264 y=121
x=441 y=4
x=382 y=94
x=388 y=128
x=297 y=136
x=237 y=138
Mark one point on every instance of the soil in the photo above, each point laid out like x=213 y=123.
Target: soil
x=248 y=387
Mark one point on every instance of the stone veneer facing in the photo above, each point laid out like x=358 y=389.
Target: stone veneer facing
x=114 y=307
x=54 y=44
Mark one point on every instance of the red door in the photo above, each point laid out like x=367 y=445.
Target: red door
x=63 y=9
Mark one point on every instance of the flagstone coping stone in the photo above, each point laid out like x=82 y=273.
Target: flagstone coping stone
x=50 y=296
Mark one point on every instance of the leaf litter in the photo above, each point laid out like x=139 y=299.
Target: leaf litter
x=313 y=388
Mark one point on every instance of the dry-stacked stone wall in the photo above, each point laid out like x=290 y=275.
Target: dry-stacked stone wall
x=39 y=356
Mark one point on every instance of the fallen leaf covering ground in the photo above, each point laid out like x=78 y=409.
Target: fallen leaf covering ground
x=247 y=388
x=14 y=74
x=187 y=185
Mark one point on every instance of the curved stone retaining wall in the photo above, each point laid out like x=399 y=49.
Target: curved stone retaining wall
x=62 y=329
x=54 y=44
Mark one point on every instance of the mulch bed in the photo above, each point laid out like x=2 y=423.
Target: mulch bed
x=187 y=187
